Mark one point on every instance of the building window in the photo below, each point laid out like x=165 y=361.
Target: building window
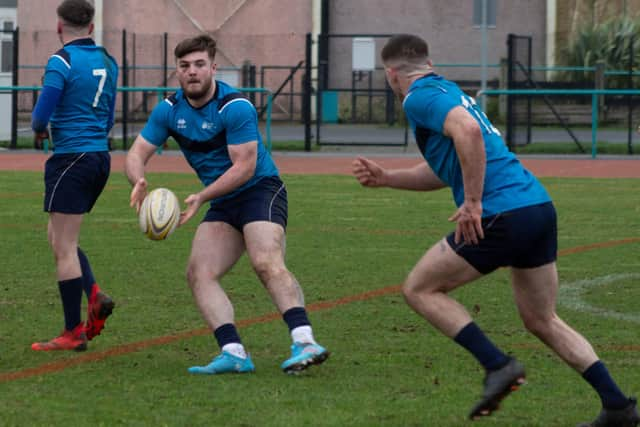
x=6 y=46
x=491 y=13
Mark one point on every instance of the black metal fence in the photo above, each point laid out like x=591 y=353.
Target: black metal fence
x=337 y=91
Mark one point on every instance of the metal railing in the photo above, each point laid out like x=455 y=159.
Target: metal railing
x=160 y=93
x=595 y=93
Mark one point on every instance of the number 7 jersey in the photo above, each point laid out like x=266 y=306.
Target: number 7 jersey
x=87 y=76
x=507 y=184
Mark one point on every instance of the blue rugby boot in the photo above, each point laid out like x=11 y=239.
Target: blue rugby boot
x=225 y=363
x=304 y=355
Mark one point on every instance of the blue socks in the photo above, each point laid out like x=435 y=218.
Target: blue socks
x=477 y=343
x=87 y=275
x=598 y=376
x=296 y=316
x=71 y=295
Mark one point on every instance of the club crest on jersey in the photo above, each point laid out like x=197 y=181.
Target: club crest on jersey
x=182 y=124
x=208 y=126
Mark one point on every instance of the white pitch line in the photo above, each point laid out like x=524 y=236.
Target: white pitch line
x=571 y=296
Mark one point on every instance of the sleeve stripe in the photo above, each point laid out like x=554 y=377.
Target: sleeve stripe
x=406 y=98
x=168 y=101
x=235 y=100
x=64 y=61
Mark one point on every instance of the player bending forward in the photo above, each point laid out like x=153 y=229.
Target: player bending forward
x=505 y=218
x=217 y=130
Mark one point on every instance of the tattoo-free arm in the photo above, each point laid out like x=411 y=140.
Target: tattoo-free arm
x=419 y=177
x=243 y=158
x=467 y=138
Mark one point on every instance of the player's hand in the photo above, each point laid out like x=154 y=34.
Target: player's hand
x=39 y=137
x=138 y=193
x=369 y=173
x=468 y=220
x=193 y=202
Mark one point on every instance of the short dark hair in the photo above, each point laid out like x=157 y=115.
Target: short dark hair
x=201 y=43
x=406 y=47
x=78 y=13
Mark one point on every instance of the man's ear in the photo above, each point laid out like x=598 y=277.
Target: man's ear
x=91 y=28
x=392 y=73
x=59 y=27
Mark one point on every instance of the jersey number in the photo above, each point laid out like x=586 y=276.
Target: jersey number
x=470 y=104
x=102 y=73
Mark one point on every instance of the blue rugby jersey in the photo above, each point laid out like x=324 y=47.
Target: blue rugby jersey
x=204 y=133
x=507 y=184
x=87 y=77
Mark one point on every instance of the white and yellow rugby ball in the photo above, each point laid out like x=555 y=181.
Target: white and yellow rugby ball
x=159 y=214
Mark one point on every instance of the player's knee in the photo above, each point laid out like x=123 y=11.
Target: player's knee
x=196 y=274
x=416 y=284
x=539 y=325
x=412 y=287
x=268 y=272
x=420 y=286
x=62 y=252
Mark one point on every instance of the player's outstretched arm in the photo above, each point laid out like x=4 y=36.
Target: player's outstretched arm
x=134 y=164
x=369 y=173
x=419 y=178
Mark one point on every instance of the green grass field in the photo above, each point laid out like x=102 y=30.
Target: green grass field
x=388 y=367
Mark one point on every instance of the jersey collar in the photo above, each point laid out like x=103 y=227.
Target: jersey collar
x=88 y=41
x=426 y=76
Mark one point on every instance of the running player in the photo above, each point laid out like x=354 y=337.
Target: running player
x=505 y=218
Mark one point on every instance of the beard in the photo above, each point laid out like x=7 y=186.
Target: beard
x=197 y=93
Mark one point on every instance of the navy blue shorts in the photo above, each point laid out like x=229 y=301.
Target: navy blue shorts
x=74 y=181
x=265 y=201
x=521 y=238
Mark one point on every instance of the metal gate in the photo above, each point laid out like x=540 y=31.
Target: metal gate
x=518 y=77
x=354 y=106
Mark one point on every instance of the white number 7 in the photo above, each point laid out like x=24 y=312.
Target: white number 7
x=102 y=73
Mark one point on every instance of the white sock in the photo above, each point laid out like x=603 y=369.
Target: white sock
x=303 y=334
x=236 y=349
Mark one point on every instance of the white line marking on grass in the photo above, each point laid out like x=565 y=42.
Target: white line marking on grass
x=571 y=296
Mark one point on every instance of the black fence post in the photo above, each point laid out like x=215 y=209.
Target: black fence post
x=630 y=98
x=245 y=80
x=370 y=95
x=390 y=110
x=306 y=93
x=14 y=93
x=125 y=95
x=529 y=98
x=252 y=82
x=510 y=109
x=165 y=62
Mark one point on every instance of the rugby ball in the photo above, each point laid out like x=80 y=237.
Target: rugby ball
x=159 y=214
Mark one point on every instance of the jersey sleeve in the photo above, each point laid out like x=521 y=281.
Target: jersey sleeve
x=241 y=121
x=47 y=102
x=56 y=72
x=156 y=130
x=428 y=107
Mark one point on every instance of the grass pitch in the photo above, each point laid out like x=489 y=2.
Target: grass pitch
x=347 y=246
